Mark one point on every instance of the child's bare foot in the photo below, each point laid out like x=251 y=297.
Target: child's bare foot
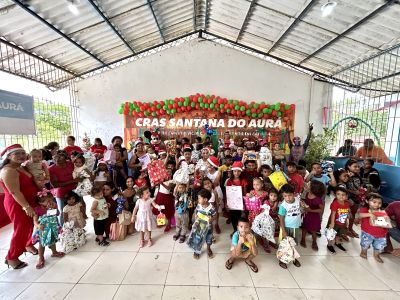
x=314 y=246
x=167 y=228
x=303 y=243
x=363 y=254
x=40 y=264
x=150 y=243
x=378 y=258
x=58 y=254
x=141 y=243
x=210 y=254
x=196 y=256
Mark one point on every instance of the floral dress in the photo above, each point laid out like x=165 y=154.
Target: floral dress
x=145 y=220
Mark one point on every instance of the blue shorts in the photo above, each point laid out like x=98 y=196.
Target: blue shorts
x=366 y=240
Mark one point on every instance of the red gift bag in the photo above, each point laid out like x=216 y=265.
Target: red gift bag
x=157 y=172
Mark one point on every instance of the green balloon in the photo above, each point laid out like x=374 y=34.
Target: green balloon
x=256 y=105
x=277 y=106
x=212 y=105
x=158 y=106
x=236 y=102
x=200 y=99
x=151 y=104
x=242 y=108
x=287 y=107
x=248 y=112
x=173 y=110
x=185 y=103
x=215 y=100
x=193 y=104
x=179 y=104
x=228 y=110
x=254 y=115
x=269 y=111
x=187 y=99
x=168 y=111
x=250 y=106
x=221 y=106
x=237 y=107
x=206 y=105
x=260 y=115
x=153 y=114
x=202 y=105
x=121 y=110
x=279 y=114
x=265 y=110
x=165 y=107
x=263 y=103
x=146 y=113
x=229 y=101
x=137 y=109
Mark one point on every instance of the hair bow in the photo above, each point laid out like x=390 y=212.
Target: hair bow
x=43 y=193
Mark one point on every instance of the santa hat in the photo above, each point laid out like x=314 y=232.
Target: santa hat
x=209 y=150
x=186 y=146
x=138 y=141
x=237 y=165
x=10 y=149
x=161 y=151
x=212 y=160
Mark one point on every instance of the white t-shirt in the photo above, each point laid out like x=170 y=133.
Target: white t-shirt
x=163 y=189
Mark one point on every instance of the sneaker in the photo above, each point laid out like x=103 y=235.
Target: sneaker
x=331 y=249
x=340 y=247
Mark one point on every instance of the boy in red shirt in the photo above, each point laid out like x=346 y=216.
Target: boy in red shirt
x=370 y=234
x=295 y=179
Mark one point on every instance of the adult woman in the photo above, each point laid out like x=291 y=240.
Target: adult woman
x=20 y=195
x=98 y=148
x=108 y=189
x=117 y=140
x=49 y=151
x=134 y=162
x=71 y=146
x=129 y=194
x=61 y=179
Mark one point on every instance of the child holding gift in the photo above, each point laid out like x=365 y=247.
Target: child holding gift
x=372 y=235
x=260 y=195
x=243 y=246
x=181 y=212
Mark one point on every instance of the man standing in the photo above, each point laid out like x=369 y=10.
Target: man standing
x=297 y=150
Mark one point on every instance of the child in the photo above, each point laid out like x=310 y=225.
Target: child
x=207 y=185
x=46 y=225
x=38 y=168
x=181 y=212
x=140 y=179
x=165 y=197
x=99 y=212
x=250 y=172
x=340 y=212
x=81 y=171
x=236 y=180
x=295 y=179
x=202 y=230
x=273 y=203
x=313 y=209
x=372 y=235
x=142 y=216
x=260 y=194
x=239 y=154
x=243 y=246
x=316 y=174
x=266 y=171
x=353 y=187
x=341 y=177
x=290 y=217
x=74 y=210
x=102 y=175
x=215 y=177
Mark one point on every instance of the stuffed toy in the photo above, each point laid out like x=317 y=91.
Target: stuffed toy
x=155 y=140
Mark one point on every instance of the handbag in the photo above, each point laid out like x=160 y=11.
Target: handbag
x=161 y=219
x=124 y=218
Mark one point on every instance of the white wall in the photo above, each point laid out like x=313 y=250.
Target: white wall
x=194 y=67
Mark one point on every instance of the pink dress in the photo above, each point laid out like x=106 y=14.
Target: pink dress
x=145 y=220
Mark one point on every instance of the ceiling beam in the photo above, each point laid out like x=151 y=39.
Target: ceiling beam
x=206 y=16
x=246 y=20
x=113 y=28
x=155 y=19
x=350 y=29
x=52 y=27
x=294 y=23
x=194 y=15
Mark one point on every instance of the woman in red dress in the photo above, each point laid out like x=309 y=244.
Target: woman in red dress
x=20 y=198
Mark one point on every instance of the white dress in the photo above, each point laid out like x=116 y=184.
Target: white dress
x=145 y=220
x=217 y=189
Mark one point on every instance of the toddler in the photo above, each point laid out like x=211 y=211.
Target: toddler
x=102 y=175
x=142 y=215
x=208 y=185
x=74 y=210
x=46 y=225
x=258 y=192
x=38 y=168
x=181 y=212
x=202 y=230
x=99 y=212
x=81 y=171
x=243 y=246
x=290 y=217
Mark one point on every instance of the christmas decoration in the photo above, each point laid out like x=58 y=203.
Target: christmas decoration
x=86 y=144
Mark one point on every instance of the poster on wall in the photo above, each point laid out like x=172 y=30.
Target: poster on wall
x=16 y=113
x=188 y=116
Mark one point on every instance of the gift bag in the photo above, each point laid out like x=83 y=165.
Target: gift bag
x=264 y=225
x=110 y=156
x=287 y=252
x=330 y=234
x=382 y=220
x=157 y=172
x=252 y=203
x=124 y=218
x=277 y=179
x=118 y=232
x=182 y=175
x=161 y=219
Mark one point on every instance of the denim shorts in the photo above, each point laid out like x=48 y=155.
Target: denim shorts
x=366 y=240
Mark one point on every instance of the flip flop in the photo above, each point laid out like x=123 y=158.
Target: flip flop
x=58 y=254
x=40 y=265
x=283 y=265
x=252 y=266
x=229 y=264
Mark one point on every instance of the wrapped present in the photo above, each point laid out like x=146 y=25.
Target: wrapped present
x=278 y=179
x=157 y=172
x=161 y=219
x=287 y=252
x=182 y=175
x=120 y=205
x=381 y=220
x=171 y=147
x=263 y=224
x=265 y=156
x=330 y=234
x=124 y=218
x=252 y=203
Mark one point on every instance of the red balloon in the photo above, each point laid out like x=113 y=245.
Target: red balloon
x=266 y=116
x=197 y=105
x=162 y=103
x=238 y=113
x=179 y=110
x=232 y=105
x=195 y=99
x=274 y=113
x=160 y=112
x=222 y=111
x=253 y=110
x=141 y=114
x=252 y=103
x=225 y=100
x=175 y=105
x=212 y=96
x=292 y=106
x=181 y=99
x=176 y=99
x=169 y=106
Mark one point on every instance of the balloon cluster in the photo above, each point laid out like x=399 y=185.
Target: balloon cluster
x=120 y=205
x=208 y=130
x=230 y=107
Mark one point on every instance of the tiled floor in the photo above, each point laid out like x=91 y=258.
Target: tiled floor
x=168 y=271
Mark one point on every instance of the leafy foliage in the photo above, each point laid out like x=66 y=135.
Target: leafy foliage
x=320 y=147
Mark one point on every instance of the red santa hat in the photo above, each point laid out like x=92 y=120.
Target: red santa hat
x=154 y=134
x=10 y=149
x=161 y=151
x=186 y=146
x=237 y=165
x=212 y=160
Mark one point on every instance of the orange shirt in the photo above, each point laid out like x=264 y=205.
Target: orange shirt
x=376 y=153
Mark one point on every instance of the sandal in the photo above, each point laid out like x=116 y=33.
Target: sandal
x=331 y=249
x=58 y=254
x=40 y=264
x=252 y=265
x=283 y=265
x=141 y=243
x=32 y=252
x=210 y=254
x=20 y=265
x=196 y=256
x=340 y=247
x=229 y=264
x=182 y=239
x=297 y=263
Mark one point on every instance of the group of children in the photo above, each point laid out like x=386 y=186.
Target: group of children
x=198 y=191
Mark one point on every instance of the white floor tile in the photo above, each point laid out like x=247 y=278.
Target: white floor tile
x=131 y=243
x=244 y=293
x=11 y=290
x=163 y=242
x=373 y=295
x=184 y=270
x=270 y=274
x=280 y=294
x=327 y=294
x=109 y=268
x=352 y=275
x=220 y=276
x=148 y=268
x=186 y=292
x=74 y=265
x=46 y=291
x=92 y=291
x=139 y=292
x=313 y=275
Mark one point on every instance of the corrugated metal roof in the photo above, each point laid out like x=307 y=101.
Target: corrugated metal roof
x=294 y=31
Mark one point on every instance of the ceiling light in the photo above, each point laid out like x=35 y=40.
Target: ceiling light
x=73 y=8
x=327 y=8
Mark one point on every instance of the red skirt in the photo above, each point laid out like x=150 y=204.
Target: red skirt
x=168 y=201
